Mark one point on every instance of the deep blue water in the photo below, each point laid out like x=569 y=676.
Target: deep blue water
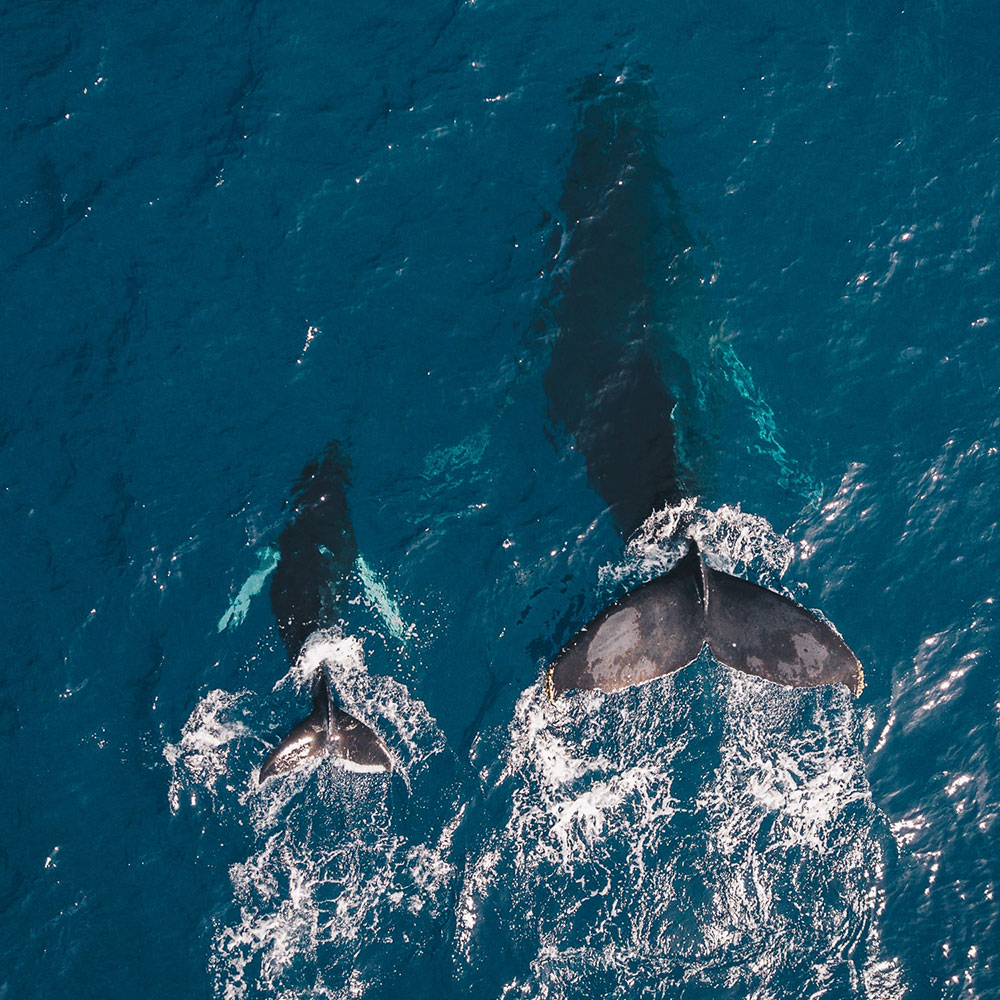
x=231 y=233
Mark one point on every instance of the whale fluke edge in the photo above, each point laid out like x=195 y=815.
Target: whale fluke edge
x=327 y=729
x=663 y=625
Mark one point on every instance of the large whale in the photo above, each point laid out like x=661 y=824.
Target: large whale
x=317 y=552
x=613 y=385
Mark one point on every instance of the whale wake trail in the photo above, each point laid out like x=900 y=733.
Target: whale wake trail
x=701 y=832
x=332 y=868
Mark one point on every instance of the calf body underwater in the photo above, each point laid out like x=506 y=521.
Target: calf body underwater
x=317 y=551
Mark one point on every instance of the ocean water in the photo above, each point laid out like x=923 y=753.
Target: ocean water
x=233 y=232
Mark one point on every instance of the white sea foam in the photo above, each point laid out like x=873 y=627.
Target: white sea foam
x=331 y=877
x=201 y=758
x=731 y=539
x=573 y=794
x=332 y=885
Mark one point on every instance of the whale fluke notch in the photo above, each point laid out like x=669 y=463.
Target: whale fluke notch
x=663 y=625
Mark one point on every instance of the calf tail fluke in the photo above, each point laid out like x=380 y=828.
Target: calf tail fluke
x=327 y=730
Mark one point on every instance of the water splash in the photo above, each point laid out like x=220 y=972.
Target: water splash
x=731 y=539
x=332 y=883
x=709 y=831
x=333 y=888
x=202 y=757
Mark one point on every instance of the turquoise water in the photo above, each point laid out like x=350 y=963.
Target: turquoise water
x=232 y=233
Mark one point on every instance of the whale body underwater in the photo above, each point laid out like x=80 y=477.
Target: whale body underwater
x=613 y=384
x=615 y=379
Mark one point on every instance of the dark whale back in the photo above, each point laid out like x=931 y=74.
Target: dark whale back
x=317 y=550
x=604 y=384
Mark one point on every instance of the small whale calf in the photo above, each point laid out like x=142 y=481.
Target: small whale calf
x=317 y=552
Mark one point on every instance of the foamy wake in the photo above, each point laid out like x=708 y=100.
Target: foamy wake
x=709 y=829
x=332 y=875
x=715 y=831
x=331 y=890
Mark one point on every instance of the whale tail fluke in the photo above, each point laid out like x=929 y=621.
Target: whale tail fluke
x=327 y=730
x=663 y=625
